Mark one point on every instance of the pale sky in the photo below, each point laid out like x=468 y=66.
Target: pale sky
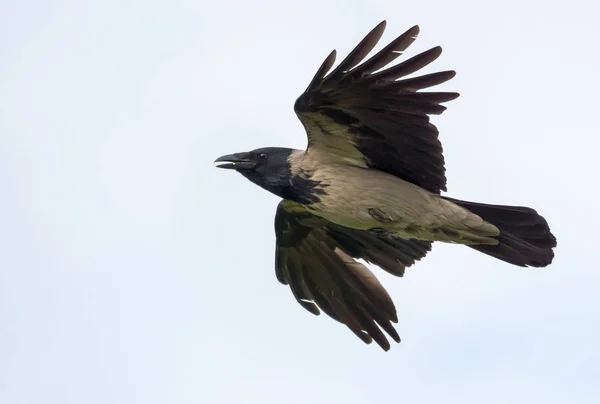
x=133 y=271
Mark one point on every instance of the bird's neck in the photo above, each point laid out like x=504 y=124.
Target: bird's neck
x=293 y=188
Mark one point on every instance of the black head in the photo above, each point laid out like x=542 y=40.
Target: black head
x=268 y=167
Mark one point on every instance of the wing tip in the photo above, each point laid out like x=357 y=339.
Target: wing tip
x=322 y=72
x=437 y=50
x=414 y=31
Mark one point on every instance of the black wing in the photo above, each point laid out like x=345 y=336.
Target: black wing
x=316 y=259
x=372 y=119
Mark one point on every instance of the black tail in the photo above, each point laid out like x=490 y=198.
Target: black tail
x=525 y=238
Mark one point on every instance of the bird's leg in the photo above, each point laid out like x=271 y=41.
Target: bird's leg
x=379 y=215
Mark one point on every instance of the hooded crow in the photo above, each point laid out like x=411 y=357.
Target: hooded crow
x=368 y=187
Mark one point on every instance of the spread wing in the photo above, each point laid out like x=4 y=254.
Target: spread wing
x=369 y=118
x=316 y=259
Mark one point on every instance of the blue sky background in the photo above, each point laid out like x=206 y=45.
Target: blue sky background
x=133 y=271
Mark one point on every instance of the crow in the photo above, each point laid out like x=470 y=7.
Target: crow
x=368 y=187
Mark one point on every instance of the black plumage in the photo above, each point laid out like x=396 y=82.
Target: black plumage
x=367 y=187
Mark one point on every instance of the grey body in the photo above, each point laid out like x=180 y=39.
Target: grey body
x=362 y=198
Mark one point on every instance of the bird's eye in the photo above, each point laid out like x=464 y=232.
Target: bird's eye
x=262 y=156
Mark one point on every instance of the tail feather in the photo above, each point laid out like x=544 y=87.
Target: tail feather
x=525 y=238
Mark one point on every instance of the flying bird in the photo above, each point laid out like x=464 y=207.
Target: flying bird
x=368 y=187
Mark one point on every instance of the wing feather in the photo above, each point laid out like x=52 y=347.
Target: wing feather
x=359 y=52
x=316 y=258
x=421 y=82
x=325 y=66
x=407 y=67
x=380 y=115
x=387 y=55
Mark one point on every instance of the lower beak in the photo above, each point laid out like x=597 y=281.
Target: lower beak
x=233 y=162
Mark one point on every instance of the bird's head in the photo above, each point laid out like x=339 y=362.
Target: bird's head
x=268 y=167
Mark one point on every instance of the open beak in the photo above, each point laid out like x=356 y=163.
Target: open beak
x=235 y=161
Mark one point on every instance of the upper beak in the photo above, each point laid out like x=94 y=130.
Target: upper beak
x=234 y=161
